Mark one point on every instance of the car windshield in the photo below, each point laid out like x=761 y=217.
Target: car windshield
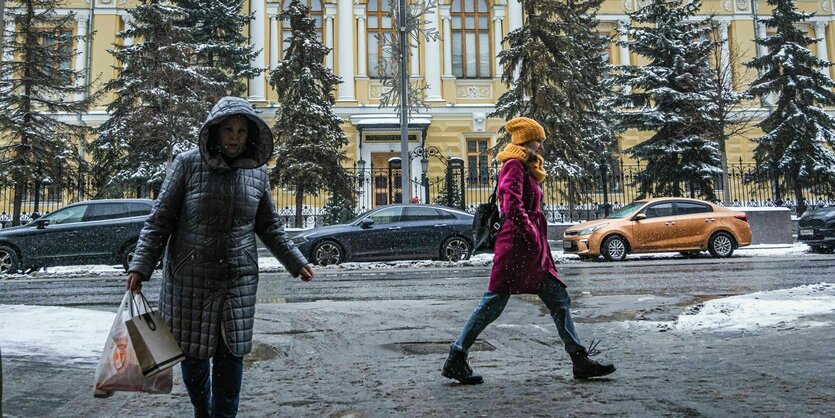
x=626 y=210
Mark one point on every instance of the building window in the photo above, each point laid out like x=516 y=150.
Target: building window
x=316 y=13
x=478 y=170
x=378 y=18
x=55 y=40
x=471 y=39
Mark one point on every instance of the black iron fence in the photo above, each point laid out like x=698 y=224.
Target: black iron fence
x=458 y=187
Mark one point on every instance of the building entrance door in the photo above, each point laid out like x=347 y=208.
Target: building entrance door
x=386 y=175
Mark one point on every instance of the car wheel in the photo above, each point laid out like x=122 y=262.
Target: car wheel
x=127 y=256
x=690 y=254
x=327 y=253
x=721 y=244
x=456 y=249
x=9 y=261
x=614 y=248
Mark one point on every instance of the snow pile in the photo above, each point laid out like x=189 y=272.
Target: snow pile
x=54 y=334
x=780 y=309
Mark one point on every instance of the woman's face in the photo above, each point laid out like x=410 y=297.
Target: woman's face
x=535 y=147
x=234 y=132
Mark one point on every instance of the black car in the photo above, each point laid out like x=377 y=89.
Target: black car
x=394 y=232
x=91 y=232
x=817 y=228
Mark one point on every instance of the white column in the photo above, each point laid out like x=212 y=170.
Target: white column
x=345 y=54
x=498 y=17
x=447 y=41
x=126 y=23
x=823 y=54
x=514 y=15
x=330 y=12
x=725 y=55
x=273 y=42
x=624 y=50
x=81 y=51
x=761 y=34
x=362 y=44
x=257 y=33
x=432 y=60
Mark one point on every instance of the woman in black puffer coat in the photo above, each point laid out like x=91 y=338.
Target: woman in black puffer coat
x=212 y=203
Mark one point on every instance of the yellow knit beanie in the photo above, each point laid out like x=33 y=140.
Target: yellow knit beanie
x=523 y=130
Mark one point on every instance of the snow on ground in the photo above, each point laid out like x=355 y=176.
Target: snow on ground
x=795 y=307
x=269 y=264
x=54 y=334
x=69 y=335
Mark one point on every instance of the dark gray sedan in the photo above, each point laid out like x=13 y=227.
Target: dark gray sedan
x=91 y=232
x=394 y=232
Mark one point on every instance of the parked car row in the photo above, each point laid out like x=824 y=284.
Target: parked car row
x=106 y=231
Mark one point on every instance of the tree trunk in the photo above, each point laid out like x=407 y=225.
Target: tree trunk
x=798 y=197
x=299 y=202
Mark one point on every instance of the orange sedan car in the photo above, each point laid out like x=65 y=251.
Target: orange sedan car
x=659 y=225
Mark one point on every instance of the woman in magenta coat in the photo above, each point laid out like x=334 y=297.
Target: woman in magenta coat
x=522 y=262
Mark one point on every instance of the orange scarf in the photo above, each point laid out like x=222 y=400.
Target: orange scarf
x=520 y=153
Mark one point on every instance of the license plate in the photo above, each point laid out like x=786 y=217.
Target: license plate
x=807 y=232
x=566 y=245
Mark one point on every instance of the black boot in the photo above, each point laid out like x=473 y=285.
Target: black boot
x=456 y=367
x=584 y=367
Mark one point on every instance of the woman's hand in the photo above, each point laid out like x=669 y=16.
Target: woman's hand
x=134 y=282
x=306 y=272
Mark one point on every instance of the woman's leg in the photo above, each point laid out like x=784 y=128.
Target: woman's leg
x=227 y=378
x=196 y=379
x=490 y=307
x=556 y=298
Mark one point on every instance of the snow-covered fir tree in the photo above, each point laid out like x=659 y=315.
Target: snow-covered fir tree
x=554 y=69
x=218 y=33
x=309 y=141
x=37 y=83
x=161 y=99
x=667 y=97
x=799 y=136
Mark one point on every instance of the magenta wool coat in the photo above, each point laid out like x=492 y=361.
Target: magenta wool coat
x=522 y=259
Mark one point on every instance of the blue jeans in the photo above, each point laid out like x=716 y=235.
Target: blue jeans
x=219 y=396
x=554 y=296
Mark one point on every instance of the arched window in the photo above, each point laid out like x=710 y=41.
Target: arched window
x=470 y=39
x=316 y=13
x=378 y=15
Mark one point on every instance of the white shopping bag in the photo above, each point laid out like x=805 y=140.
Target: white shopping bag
x=152 y=341
x=119 y=369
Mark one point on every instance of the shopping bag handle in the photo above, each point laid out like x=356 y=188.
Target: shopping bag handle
x=148 y=319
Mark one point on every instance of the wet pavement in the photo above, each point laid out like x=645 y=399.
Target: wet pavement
x=372 y=343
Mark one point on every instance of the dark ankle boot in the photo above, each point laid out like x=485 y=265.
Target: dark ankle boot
x=584 y=367
x=456 y=367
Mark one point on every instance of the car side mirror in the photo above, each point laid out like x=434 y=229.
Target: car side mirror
x=366 y=223
x=639 y=217
x=41 y=223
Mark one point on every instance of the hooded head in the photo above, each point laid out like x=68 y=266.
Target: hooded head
x=259 y=144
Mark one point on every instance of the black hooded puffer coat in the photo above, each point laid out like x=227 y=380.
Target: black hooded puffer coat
x=208 y=214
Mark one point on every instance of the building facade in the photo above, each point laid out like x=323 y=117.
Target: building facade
x=461 y=70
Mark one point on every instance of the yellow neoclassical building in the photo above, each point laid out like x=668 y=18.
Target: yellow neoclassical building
x=461 y=69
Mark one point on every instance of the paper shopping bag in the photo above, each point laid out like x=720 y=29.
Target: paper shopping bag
x=119 y=369
x=155 y=347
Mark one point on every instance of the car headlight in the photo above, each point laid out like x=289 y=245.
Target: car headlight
x=590 y=230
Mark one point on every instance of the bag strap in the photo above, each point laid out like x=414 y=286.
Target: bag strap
x=147 y=318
